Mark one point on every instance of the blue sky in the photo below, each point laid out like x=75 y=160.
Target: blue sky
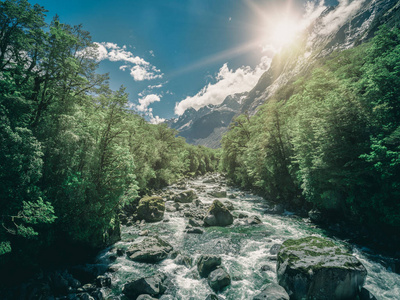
x=166 y=51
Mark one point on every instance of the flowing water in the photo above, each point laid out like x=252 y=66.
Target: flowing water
x=244 y=251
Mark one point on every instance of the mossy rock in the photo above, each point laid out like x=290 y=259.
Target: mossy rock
x=151 y=209
x=218 y=215
x=317 y=268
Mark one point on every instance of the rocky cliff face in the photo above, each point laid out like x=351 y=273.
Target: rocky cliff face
x=337 y=28
x=207 y=125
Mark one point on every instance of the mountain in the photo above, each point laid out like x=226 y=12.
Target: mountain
x=207 y=125
x=337 y=28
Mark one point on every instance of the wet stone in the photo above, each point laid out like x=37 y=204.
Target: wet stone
x=150 y=250
x=218 y=279
x=272 y=291
x=208 y=263
x=275 y=249
x=184 y=260
x=195 y=223
x=152 y=285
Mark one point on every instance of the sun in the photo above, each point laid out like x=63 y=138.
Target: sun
x=279 y=23
x=282 y=32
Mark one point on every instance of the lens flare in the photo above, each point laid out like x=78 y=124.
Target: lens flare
x=282 y=32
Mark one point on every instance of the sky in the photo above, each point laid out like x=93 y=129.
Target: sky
x=175 y=54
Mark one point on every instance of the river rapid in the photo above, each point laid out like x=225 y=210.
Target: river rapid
x=245 y=249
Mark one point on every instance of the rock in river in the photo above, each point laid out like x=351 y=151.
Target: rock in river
x=218 y=193
x=185 y=197
x=218 y=279
x=208 y=263
x=151 y=209
x=253 y=220
x=153 y=286
x=272 y=291
x=316 y=268
x=218 y=215
x=150 y=250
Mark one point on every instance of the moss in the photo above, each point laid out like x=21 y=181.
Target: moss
x=153 y=201
x=151 y=208
x=352 y=265
x=310 y=241
x=217 y=206
x=282 y=256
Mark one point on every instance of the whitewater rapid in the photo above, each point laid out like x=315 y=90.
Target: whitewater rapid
x=245 y=250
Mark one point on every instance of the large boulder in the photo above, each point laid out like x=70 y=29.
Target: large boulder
x=272 y=291
x=218 y=279
x=152 y=285
x=185 y=197
x=218 y=215
x=151 y=209
x=150 y=250
x=316 y=268
x=208 y=263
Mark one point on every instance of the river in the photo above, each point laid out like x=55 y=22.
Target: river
x=245 y=250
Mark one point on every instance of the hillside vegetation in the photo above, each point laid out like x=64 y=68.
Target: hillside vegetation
x=71 y=151
x=331 y=140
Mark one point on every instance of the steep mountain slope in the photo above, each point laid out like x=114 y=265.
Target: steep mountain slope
x=337 y=28
x=207 y=125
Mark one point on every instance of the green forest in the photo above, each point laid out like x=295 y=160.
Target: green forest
x=72 y=152
x=331 y=139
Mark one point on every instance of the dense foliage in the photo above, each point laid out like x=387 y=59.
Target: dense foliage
x=334 y=141
x=71 y=151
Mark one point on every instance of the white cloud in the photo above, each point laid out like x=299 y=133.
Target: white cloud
x=113 y=52
x=342 y=13
x=151 y=53
x=228 y=82
x=140 y=73
x=333 y=20
x=146 y=101
x=156 y=86
x=146 y=110
x=140 y=69
x=312 y=11
x=155 y=119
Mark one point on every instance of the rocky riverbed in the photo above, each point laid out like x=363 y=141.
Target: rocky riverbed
x=201 y=239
